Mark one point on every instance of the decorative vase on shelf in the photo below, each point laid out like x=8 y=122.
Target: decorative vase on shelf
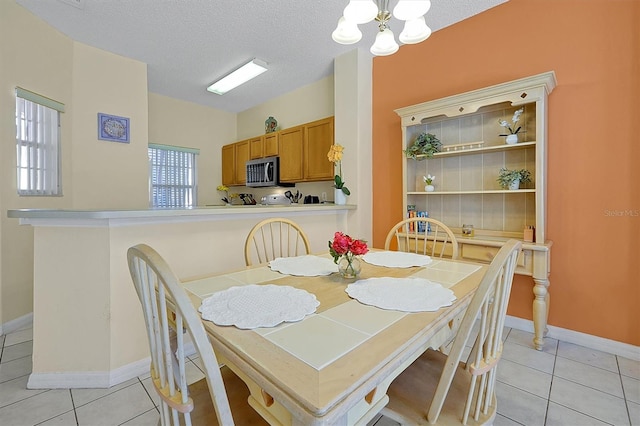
x=349 y=266
x=429 y=188
x=514 y=185
x=512 y=139
x=340 y=198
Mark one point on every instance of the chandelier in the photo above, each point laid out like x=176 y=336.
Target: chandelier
x=363 y=11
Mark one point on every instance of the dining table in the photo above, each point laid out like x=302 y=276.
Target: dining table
x=333 y=366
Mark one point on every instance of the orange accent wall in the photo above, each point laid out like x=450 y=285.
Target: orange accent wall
x=593 y=151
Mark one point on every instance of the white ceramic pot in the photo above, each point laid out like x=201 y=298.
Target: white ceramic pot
x=429 y=188
x=512 y=139
x=514 y=185
x=340 y=198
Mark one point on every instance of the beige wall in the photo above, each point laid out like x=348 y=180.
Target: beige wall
x=40 y=60
x=108 y=174
x=96 y=174
x=308 y=103
x=180 y=123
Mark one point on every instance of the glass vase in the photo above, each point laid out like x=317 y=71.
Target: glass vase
x=349 y=266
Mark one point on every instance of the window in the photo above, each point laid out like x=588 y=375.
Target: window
x=38 y=144
x=172 y=172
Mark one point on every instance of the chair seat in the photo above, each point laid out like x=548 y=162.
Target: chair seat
x=237 y=392
x=412 y=391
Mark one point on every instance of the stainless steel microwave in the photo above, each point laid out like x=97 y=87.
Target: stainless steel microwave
x=263 y=172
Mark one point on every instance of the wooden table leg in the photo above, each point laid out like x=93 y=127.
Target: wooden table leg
x=541 y=271
x=540 y=311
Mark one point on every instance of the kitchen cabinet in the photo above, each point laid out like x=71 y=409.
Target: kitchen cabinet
x=256 y=148
x=263 y=146
x=290 y=148
x=270 y=142
x=318 y=138
x=241 y=158
x=466 y=170
x=234 y=158
x=302 y=150
x=228 y=165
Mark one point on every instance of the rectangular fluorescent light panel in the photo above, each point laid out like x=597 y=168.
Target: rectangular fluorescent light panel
x=240 y=76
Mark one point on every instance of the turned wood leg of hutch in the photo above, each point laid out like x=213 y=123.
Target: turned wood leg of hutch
x=540 y=311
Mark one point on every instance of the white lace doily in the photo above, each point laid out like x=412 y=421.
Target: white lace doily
x=396 y=259
x=401 y=294
x=252 y=306
x=304 y=266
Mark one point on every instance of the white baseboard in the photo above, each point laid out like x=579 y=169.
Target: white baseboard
x=577 y=338
x=89 y=379
x=95 y=379
x=24 y=321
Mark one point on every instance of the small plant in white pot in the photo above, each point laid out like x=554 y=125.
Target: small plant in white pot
x=512 y=179
x=512 y=136
x=428 y=180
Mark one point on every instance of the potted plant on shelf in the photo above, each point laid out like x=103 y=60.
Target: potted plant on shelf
x=425 y=145
x=335 y=156
x=428 y=180
x=511 y=179
x=512 y=136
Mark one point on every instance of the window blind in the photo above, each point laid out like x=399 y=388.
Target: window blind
x=37 y=144
x=172 y=176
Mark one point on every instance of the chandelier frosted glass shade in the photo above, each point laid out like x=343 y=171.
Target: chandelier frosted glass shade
x=385 y=44
x=362 y=11
x=411 y=9
x=415 y=31
x=347 y=32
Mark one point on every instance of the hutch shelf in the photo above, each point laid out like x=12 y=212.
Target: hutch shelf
x=466 y=170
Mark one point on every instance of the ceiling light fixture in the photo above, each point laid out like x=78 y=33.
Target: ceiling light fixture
x=246 y=72
x=363 y=11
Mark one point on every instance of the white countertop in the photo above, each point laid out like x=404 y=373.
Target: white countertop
x=123 y=216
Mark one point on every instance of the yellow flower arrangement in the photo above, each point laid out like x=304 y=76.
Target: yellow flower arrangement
x=335 y=156
x=229 y=197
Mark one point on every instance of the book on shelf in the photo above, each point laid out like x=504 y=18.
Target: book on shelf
x=422 y=226
x=411 y=213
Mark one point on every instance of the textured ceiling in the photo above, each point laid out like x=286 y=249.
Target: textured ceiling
x=187 y=44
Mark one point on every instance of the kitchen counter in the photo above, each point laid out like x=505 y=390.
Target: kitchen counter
x=35 y=216
x=88 y=329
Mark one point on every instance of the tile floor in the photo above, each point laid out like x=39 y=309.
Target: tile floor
x=565 y=384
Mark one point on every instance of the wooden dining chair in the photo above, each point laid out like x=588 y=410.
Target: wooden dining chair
x=275 y=237
x=440 y=389
x=423 y=235
x=170 y=317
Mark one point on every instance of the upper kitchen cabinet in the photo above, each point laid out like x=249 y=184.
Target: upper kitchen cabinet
x=270 y=143
x=319 y=137
x=303 y=152
x=234 y=159
x=290 y=149
x=256 y=148
x=263 y=146
x=242 y=156
x=229 y=165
